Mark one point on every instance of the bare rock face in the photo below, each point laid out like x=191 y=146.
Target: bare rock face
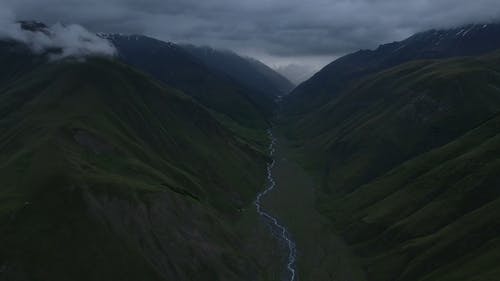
x=178 y=249
x=34 y=26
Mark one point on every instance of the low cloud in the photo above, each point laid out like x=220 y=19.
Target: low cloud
x=296 y=73
x=59 y=41
x=276 y=29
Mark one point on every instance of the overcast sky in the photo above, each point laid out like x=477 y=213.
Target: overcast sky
x=304 y=33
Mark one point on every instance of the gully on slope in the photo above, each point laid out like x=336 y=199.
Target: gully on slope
x=276 y=226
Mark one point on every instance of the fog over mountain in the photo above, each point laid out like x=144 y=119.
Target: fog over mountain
x=69 y=40
x=296 y=72
x=274 y=31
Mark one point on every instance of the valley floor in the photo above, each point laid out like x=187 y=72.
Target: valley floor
x=321 y=255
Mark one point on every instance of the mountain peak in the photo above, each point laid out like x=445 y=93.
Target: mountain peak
x=33 y=26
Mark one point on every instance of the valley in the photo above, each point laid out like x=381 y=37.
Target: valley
x=276 y=227
x=321 y=253
x=406 y=162
x=151 y=160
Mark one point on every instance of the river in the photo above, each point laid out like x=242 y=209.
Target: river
x=277 y=227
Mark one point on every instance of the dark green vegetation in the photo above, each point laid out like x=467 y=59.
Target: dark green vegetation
x=248 y=71
x=106 y=174
x=433 y=44
x=408 y=164
x=321 y=253
x=234 y=88
x=387 y=168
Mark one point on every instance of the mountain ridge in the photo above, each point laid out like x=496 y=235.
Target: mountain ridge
x=100 y=161
x=250 y=71
x=406 y=159
x=474 y=39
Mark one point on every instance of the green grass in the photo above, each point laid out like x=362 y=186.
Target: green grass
x=408 y=168
x=395 y=115
x=106 y=174
x=321 y=253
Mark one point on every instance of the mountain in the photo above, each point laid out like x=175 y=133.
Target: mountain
x=173 y=65
x=17 y=58
x=407 y=163
x=108 y=174
x=332 y=79
x=145 y=166
x=34 y=26
x=296 y=73
x=248 y=71
x=434 y=217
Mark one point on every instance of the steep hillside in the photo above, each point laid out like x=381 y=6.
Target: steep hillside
x=17 y=60
x=250 y=72
x=172 y=65
x=408 y=159
x=335 y=77
x=106 y=174
x=434 y=217
x=394 y=115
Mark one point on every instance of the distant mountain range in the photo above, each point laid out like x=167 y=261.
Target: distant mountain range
x=297 y=73
x=251 y=72
x=332 y=79
x=243 y=88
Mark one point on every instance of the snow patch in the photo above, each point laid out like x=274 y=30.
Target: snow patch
x=460 y=32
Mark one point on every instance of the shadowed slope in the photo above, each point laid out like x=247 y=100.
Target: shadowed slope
x=172 y=65
x=105 y=174
x=408 y=160
x=334 y=78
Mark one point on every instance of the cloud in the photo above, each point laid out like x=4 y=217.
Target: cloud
x=73 y=40
x=296 y=73
x=8 y=26
x=282 y=29
x=60 y=41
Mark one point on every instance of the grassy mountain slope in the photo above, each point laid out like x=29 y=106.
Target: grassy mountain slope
x=172 y=65
x=408 y=159
x=395 y=115
x=334 y=78
x=434 y=217
x=250 y=72
x=106 y=174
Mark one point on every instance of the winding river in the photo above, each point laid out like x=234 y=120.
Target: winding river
x=276 y=226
